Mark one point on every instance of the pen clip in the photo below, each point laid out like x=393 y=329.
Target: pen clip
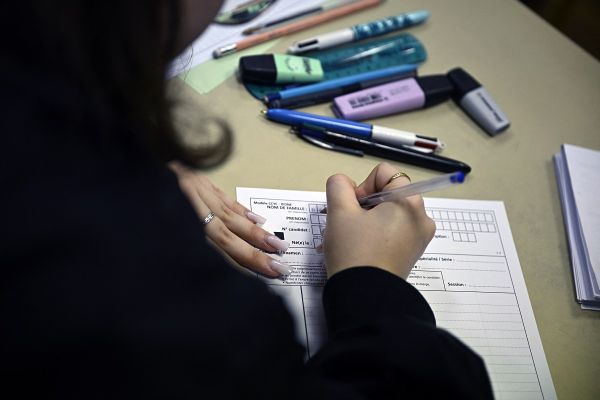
x=366 y=54
x=326 y=145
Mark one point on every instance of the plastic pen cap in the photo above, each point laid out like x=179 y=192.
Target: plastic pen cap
x=395 y=97
x=477 y=102
x=280 y=68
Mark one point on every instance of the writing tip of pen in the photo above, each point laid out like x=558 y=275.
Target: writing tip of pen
x=263 y=112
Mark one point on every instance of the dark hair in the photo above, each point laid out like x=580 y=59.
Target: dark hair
x=117 y=53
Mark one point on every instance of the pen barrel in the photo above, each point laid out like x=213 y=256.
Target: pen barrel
x=344 y=81
x=395 y=138
x=297 y=118
x=401 y=154
x=412 y=189
x=414 y=157
x=330 y=94
x=383 y=26
x=324 y=41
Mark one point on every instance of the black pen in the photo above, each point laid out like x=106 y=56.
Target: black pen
x=355 y=146
x=330 y=94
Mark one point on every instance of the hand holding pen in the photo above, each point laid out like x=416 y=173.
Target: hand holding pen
x=391 y=238
x=412 y=189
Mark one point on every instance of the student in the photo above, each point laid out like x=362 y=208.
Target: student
x=109 y=287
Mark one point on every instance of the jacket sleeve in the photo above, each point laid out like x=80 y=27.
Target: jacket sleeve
x=384 y=343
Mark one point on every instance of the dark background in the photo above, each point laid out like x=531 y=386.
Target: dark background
x=577 y=19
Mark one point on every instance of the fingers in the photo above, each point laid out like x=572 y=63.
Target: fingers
x=379 y=180
x=237 y=248
x=234 y=229
x=233 y=205
x=238 y=224
x=242 y=252
x=341 y=194
x=236 y=217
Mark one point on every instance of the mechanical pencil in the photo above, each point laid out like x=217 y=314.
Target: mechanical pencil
x=410 y=190
x=359 y=32
x=375 y=133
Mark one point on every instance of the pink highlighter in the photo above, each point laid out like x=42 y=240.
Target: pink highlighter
x=395 y=97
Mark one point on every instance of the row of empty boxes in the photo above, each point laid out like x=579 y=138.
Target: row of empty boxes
x=317 y=231
x=318 y=219
x=464 y=226
x=464 y=237
x=316 y=208
x=465 y=216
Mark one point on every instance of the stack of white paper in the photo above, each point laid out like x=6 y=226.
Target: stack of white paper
x=578 y=176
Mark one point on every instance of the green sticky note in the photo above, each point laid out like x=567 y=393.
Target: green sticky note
x=208 y=75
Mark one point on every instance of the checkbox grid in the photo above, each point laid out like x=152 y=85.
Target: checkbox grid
x=317 y=221
x=463 y=225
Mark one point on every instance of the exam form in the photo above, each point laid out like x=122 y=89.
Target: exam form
x=469 y=274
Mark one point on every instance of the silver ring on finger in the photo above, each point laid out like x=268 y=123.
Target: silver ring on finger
x=208 y=218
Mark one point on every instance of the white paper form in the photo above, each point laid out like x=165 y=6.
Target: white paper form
x=470 y=275
x=217 y=35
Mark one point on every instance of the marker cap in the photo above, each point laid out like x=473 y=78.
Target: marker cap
x=280 y=68
x=477 y=102
x=437 y=88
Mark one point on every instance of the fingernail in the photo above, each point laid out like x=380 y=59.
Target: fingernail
x=257 y=219
x=280 y=268
x=279 y=244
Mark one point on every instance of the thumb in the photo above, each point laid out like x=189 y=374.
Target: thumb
x=341 y=194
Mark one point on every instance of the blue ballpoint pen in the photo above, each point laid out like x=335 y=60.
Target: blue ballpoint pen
x=410 y=190
x=339 y=82
x=379 y=134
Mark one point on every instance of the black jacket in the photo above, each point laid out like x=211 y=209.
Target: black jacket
x=109 y=289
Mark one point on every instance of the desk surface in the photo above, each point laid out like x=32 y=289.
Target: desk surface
x=550 y=90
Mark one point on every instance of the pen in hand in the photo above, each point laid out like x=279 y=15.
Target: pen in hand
x=409 y=190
